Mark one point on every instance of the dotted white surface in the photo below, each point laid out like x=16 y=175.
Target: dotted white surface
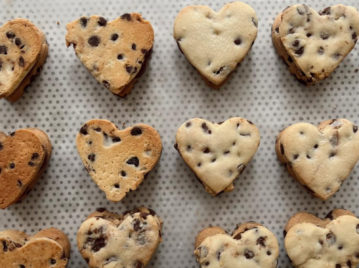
x=65 y=95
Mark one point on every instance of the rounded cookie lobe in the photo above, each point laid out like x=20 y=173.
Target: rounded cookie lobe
x=322 y=157
x=129 y=239
x=217 y=153
x=118 y=160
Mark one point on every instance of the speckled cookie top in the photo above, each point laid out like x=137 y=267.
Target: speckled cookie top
x=217 y=153
x=215 y=42
x=317 y=43
x=118 y=160
x=320 y=157
x=20 y=45
x=334 y=245
x=113 y=51
x=254 y=247
x=110 y=240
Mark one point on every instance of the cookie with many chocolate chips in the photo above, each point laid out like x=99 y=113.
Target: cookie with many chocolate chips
x=216 y=42
x=23 y=51
x=118 y=160
x=49 y=248
x=313 y=44
x=24 y=155
x=251 y=245
x=217 y=153
x=312 y=242
x=107 y=239
x=322 y=157
x=114 y=52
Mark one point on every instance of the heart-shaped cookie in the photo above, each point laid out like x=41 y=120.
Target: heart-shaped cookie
x=24 y=155
x=23 y=50
x=49 y=248
x=118 y=160
x=216 y=42
x=332 y=242
x=313 y=44
x=110 y=240
x=322 y=157
x=217 y=153
x=114 y=52
x=250 y=246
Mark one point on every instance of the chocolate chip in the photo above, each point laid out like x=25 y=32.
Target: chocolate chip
x=206 y=150
x=309 y=34
x=18 y=41
x=331 y=238
x=290 y=59
x=355 y=129
x=0 y=64
x=269 y=253
x=83 y=21
x=1 y=146
x=138 y=264
x=136 y=225
x=332 y=154
x=295 y=43
x=120 y=56
x=129 y=68
x=136 y=131
x=91 y=157
x=299 y=51
x=116 y=139
x=295 y=156
x=126 y=16
x=133 y=161
x=248 y=254
x=12 y=165
x=116 y=185
x=22 y=266
x=0 y=170
x=325 y=11
x=31 y=164
x=291 y=31
x=219 y=70
x=205 y=128
x=12 y=134
x=102 y=21
x=277 y=29
x=114 y=37
x=21 y=61
x=123 y=173
x=52 y=261
x=94 y=41
x=3 y=50
x=144 y=51
x=349 y=264
x=83 y=130
x=10 y=35
x=133 y=46
x=254 y=22
x=321 y=50
x=34 y=156
x=106 y=84
x=261 y=241
x=354 y=36
x=324 y=35
x=237 y=236
x=238 y=41
x=338 y=266
x=99 y=243
x=281 y=149
x=188 y=124
x=4 y=246
x=19 y=183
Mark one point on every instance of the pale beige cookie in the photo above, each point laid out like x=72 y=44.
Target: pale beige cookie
x=217 y=153
x=250 y=246
x=313 y=44
x=216 y=42
x=311 y=242
x=106 y=239
x=322 y=157
x=114 y=52
x=118 y=160
x=22 y=47
x=49 y=248
x=24 y=155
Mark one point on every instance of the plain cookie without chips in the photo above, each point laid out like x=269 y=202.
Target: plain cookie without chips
x=322 y=157
x=108 y=240
x=251 y=245
x=312 y=242
x=118 y=160
x=114 y=52
x=23 y=51
x=49 y=248
x=216 y=42
x=313 y=44
x=217 y=153
x=24 y=155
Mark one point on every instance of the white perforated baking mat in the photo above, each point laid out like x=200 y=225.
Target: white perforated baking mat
x=262 y=90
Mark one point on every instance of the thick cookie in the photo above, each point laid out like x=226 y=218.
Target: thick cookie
x=24 y=155
x=23 y=51
x=114 y=52
x=48 y=248
x=109 y=240
x=217 y=153
x=311 y=242
x=216 y=42
x=322 y=157
x=118 y=160
x=250 y=246
x=313 y=44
